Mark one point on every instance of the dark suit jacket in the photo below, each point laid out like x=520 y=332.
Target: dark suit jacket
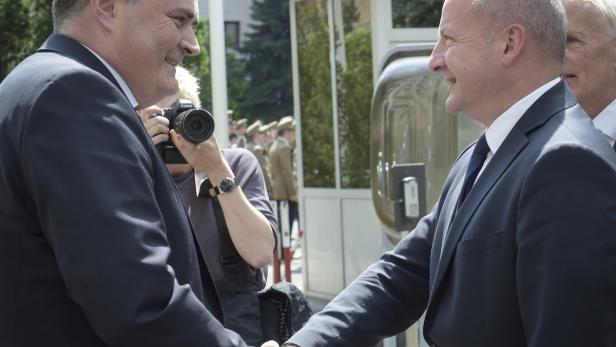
x=96 y=248
x=530 y=259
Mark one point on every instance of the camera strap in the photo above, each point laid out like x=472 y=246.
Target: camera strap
x=229 y=254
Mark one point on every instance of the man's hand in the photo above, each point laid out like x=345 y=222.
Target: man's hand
x=204 y=156
x=156 y=125
x=270 y=344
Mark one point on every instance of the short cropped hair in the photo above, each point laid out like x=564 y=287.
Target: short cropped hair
x=188 y=86
x=608 y=9
x=544 y=20
x=62 y=10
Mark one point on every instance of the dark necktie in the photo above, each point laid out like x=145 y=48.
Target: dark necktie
x=480 y=152
x=615 y=146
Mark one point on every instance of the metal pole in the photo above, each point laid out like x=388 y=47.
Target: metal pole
x=219 y=71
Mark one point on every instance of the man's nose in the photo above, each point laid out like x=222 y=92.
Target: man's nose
x=436 y=58
x=190 y=45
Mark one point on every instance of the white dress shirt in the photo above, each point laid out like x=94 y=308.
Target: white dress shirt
x=129 y=94
x=606 y=122
x=501 y=127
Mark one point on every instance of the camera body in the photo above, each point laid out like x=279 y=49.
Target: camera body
x=194 y=124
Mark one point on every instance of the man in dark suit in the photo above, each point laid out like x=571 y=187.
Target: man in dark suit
x=96 y=248
x=520 y=249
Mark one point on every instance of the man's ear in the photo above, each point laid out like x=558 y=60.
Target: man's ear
x=104 y=11
x=514 y=41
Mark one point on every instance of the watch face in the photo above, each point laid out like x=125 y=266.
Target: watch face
x=227 y=185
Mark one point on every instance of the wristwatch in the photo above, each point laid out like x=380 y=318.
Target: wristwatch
x=226 y=186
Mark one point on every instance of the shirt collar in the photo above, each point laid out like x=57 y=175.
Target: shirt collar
x=606 y=121
x=500 y=128
x=129 y=94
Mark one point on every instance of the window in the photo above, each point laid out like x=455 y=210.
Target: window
x=232 y=34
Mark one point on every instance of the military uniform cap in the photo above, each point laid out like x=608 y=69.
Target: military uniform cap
x=254 y=128
x=268 y=126
x=286 y=122
x=241 y=122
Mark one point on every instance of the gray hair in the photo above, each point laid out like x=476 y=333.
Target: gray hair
x=608 y=9
x=62 y=10
x=544 y=20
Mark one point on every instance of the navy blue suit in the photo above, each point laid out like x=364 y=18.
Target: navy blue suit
x=530 y=256
x=96 y=248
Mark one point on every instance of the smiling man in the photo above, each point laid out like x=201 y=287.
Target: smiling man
x=590 y=60
x=96 y=248
x=520 y=249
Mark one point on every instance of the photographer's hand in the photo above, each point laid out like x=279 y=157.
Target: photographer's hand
x=205 y=156
x=156 y=125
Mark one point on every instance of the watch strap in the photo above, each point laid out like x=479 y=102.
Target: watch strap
x=210 y=190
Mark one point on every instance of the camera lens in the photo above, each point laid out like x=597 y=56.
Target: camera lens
x=196 y=125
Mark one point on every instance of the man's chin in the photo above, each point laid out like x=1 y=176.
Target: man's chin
x=572 y=83
x=451 y=106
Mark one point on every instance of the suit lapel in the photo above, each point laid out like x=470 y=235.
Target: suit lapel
x=554 y=100
x=68 y=47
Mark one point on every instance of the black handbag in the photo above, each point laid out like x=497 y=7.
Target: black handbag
x=284 y=310
x=283 y=307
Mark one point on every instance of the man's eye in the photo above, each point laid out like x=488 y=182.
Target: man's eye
x=179 y=21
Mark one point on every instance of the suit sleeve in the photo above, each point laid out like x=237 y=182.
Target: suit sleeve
x=567 y=250
x=86 y=164
x=383 y=301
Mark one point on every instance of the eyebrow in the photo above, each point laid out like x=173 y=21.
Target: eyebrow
x=188 y=15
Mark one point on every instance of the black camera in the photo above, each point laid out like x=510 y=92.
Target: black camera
x=194 y=124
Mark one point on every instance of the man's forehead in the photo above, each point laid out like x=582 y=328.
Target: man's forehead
x=190 y=7
x=583 y=15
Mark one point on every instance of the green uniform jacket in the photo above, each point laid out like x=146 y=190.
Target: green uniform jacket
x=281 y=160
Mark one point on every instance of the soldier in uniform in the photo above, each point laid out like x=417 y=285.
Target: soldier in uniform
x=256 y=141
x=240 y=129
x=270 y=132
x=281 y=166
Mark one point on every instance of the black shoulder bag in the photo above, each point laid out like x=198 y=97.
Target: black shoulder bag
x=284 y=308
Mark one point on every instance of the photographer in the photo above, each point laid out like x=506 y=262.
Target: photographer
x=247 y=212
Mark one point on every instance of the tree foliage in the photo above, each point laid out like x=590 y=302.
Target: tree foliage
x=354 y=97
x=268 y=62
x=200 y=65
x=416 y=13
x=315 y=94
x=24 y=25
